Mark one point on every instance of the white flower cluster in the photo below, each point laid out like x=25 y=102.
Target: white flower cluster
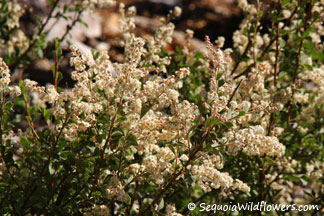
x=171 y=210
x=18 y=40
x=5 y=81
x=115 y=190
x=14 y=13
x=253 y=141
x=5 y=75
x=98 y=210
x=316 y=76
x=209 y=177
x=97 y=3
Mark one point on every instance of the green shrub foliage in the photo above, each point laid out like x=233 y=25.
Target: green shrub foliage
x=151 y=134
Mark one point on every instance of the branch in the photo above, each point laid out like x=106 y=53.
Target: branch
x=33 y=42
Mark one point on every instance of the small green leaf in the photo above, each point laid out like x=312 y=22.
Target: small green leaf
x=211 y=121
x=40 y=53
x=221 y=83
x=219 y=75
x=161 y=205
x=309 y=67
x=214 y=144
x=57 y=44
x=9 y=106
x=51 y=169
x=24 y=142
x=246 y=108
x=199 y=55
x=241 y=113
x=59 y=77
x=229 y=114
x=228 y=124
x=117 y=134
x=292 y=178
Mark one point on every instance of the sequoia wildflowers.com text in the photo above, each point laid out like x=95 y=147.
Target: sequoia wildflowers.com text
x=250 y=206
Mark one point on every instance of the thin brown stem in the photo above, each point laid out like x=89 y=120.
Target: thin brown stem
x=293 y=86
x=96 y=172
x=69 y=27
x=35 y=39
x=47 y=162
x=235 y=90
x=275 y=75
x=247 y=70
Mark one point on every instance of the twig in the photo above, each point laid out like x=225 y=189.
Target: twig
x=69 y=27
x=96 y=172
x=247 y=70
x=47 y=162
x=235 y=90
x=275 y=75
x=33 y=42
x=244 y=54
x=297 y=65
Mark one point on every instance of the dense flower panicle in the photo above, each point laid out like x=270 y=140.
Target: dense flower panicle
x=253 y=142
x=209 y=177
x=5 y=81
x=51 y=95
x=17 y=41
x=97 y=3
x=15 y=11
x=5 y=75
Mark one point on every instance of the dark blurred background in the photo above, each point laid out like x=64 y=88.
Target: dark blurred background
x=205 y=17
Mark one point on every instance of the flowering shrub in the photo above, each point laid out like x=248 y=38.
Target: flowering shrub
x=159 y=130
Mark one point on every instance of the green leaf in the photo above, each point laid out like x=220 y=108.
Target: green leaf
x=59 y=51
x=211 y=121
x=95 y=55
x=229 y=114
x=246 y=108
x=215 y=144
x=228 y=124
x=241 y=113
x=117 y=134
x=24 y=142
x=9 y=106
x=47 y=114
x=53 y=70
x=309 y=67
x=51 y=2
x=145 y=109
x=292 y=178
x=57 y=44
x=199 y=55
x=51 y=169
x=40 y=53
x=161 y=205
x=219 y=75
x=221 y=83
x=59 y=77
x=128 y=199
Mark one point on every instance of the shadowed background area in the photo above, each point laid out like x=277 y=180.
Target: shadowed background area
x=206 y=17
